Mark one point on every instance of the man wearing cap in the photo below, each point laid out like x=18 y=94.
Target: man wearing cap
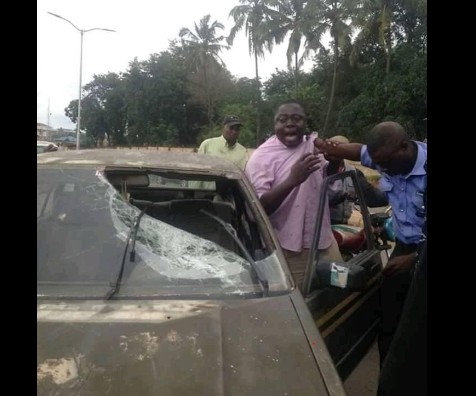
x=226 y=145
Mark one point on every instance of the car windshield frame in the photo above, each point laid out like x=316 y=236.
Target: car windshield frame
x=212 y=272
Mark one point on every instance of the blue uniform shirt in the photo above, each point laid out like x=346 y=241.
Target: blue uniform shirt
x=405 y=194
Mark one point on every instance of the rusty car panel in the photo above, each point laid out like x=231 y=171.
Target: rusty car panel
x=160 y=273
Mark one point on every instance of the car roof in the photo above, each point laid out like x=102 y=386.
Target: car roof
x=141 y=159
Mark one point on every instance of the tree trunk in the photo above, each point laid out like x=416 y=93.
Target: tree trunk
x=389 y=52
x=258 y=103
x=207 y=93
x=333 y=86
x=296 y=71
x=388 y=41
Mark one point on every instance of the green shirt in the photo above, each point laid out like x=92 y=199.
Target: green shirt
x=219 y=147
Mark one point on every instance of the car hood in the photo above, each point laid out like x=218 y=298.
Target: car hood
x=225 y=347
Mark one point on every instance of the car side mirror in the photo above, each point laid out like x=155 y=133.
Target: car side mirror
x=342 y=275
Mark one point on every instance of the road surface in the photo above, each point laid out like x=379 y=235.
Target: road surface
x=364 y=379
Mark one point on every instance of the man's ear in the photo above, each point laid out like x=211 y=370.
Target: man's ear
x=404 y=144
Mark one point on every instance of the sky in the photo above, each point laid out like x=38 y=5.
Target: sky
x=142 y=28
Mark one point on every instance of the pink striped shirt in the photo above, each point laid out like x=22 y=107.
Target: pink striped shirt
x=295 y=219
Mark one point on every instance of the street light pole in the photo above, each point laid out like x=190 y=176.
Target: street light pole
x=82 y=31
x=80 y=91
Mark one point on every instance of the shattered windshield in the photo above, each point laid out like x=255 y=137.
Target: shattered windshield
x=84 y=236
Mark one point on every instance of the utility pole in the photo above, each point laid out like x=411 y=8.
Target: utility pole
x=82 y=31
x=48 y=123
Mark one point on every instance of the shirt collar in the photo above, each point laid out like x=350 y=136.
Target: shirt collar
x=225 y=143
x=419 y=167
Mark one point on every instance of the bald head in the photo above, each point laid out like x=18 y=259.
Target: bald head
x=387 y=134
x=339 y=139
x=391 y=149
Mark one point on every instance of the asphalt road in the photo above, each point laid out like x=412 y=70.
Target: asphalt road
x=364 y=379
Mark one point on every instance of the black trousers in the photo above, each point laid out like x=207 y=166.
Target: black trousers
x=393 y=292
x=404 y=371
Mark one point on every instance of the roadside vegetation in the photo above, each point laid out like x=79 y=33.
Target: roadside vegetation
x=373 y=68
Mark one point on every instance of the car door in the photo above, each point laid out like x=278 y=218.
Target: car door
x=346 y=315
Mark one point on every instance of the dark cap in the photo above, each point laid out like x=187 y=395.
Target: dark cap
x=231 y=120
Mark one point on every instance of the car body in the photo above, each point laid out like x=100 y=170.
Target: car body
x=43 y=146
x=149 y=281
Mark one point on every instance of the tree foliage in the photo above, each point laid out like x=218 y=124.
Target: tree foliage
x=253 y=15
x=180 y=96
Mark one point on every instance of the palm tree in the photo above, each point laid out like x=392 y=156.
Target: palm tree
x=252 y=15
x=297 y=18
x=334 y=16
x=411 y=19
x=205 y=47
x=374 y=21
x=309 y=21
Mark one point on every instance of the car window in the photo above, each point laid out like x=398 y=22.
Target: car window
x=347 y=221
x=85 y=223
x=350 y=225
x=343 y=293
x=162 y=181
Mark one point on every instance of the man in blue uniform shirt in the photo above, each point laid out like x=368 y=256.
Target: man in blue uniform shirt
x=404 y=371
x=401 y=163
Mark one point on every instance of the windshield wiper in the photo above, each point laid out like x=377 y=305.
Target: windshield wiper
x=232 y=232
x=132 y=235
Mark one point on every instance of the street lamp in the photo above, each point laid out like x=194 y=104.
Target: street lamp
x=82 y=31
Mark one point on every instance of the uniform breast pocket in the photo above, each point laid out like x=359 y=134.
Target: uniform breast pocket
x=385 y=185
x=419 y=203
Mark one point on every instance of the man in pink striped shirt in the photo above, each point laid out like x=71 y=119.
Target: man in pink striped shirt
x=287 y=174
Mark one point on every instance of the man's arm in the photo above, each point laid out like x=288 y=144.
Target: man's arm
x=337 y=197
x=399 y=264
x=300 y=171
x=201 y=149
x=244 y=159
x=350 y=151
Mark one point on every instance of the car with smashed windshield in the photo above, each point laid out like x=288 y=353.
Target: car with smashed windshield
x=159 y=273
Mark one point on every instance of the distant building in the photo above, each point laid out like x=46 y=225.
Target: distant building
x=44 y=132
x=66 y=137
